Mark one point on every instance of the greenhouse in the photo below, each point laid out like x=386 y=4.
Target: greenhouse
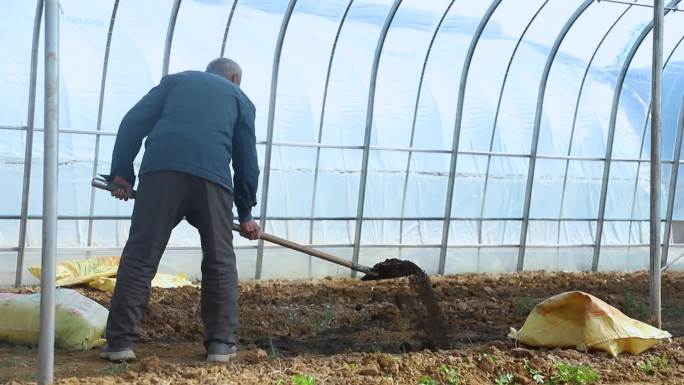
x=471 y=138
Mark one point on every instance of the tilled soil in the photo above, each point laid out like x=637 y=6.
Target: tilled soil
x=344 y=331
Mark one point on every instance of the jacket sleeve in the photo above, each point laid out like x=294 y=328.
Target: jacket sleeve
x=135 y=126
x=245 y=162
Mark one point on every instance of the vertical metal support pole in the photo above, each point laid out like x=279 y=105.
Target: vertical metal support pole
x=228 y=23
x=457 y=131
x=656 y=128
x=320 y=125
x=169 y=36
x=269 y=131
x=103 y=84
x=51 y=143
x=438 y=27
x=674 y=173
x=611 y=136
x=367 y=134
x=28 y=150
x=496 y=118
x=537 y=128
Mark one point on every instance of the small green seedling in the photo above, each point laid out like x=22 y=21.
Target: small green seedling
x=653 y=365
x=573 y=375
x=505 y=379
x=303 y=379
x=116 y=369
x=20 y=348
x=350 y=366
x=14 y=363
x=427 y=380
x=524 y=305
x=325 y=321
x=633 y=308
x=273 y=351
x=452 y=376
x=484 y=356
x=535 y=373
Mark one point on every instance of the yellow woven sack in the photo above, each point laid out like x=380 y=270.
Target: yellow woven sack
x=581 y=321
x=82 y=271
x=160 y=280
x=79 y=321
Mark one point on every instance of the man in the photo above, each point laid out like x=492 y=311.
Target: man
x=195 y=124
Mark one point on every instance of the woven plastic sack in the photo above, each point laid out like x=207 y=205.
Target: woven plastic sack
x=160 y=280
x=79 y=321
x=82 y=271
x=581 y=321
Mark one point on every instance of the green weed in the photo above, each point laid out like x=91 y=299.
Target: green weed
x=326 y=319
x=13 y=363
x=573 y=375
x=505 y=379
x=20 y=348
x=486 y=356
x=653 y=365
x=672 y=309
x=273 y=351
x=535 y=373
x=303 y=379
x=115 y=369
x=427 y=380
x=524 y=305
x=452 y=376
x=634 y=308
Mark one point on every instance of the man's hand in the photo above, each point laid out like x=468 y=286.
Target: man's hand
x=250 y=230
x=124 y=189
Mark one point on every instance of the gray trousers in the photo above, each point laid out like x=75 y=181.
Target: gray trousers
x=163 y=199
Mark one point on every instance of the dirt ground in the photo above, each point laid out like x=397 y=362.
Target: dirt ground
x=340 y=331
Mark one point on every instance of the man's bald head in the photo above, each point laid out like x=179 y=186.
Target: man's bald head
x=227 y=68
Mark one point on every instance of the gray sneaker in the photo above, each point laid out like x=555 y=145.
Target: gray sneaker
x=116 y=354
x=218 y=352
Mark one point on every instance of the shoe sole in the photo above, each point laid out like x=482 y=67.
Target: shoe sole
x=126 y=355
x=220 y=357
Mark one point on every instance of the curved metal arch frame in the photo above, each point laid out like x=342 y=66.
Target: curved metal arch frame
x=438 y=27
x=169 y=36
x=537 y=128
x=611 y=136
x=643 y=140
x=28 y=150
x=576 y=113
x=457 y=131
x=228 y=23
x=269 y=130
x=100 y=109
x=496 y=116
x=674 y=174
x=321 y=122
x=368 y=128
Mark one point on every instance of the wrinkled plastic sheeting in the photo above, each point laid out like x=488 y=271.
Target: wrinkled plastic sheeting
x=76 y=272
x=79 y=321
x=581 y=321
